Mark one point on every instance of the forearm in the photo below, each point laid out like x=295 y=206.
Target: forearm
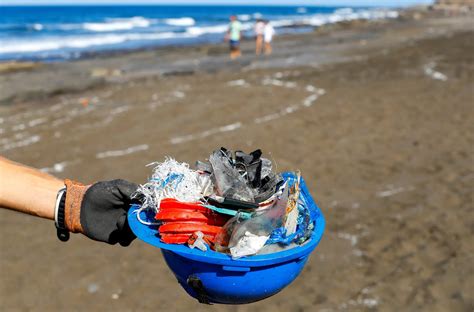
x=27 y=189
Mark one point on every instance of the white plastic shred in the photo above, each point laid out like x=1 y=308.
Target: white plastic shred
x=171 y=179
x=248 y=245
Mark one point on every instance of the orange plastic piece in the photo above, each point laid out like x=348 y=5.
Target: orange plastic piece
x=181 y=220
x=208 y=239
x=169 y=215
x=171 y=203
x=188 y=228
x=184 y=238
x=172 y=210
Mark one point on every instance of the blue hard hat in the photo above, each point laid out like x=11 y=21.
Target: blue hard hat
x=213 y=277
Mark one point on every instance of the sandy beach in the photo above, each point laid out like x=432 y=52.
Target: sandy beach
x=376 y=115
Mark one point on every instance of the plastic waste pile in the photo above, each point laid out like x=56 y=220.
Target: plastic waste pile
x=233 y=203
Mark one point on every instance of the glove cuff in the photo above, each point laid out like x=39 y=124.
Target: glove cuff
x=72 y=209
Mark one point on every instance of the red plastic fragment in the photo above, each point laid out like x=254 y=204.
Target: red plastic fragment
x=181 y=220
x=183 y=228
x=184 y=238
x=171 y=203
x=180 y=215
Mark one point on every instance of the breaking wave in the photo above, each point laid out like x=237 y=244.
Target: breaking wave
x=118 y=24
x=183 y=21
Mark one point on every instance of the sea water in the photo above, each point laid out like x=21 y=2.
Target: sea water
x=63 y=32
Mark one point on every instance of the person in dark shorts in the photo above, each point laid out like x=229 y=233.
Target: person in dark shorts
x=233 y=35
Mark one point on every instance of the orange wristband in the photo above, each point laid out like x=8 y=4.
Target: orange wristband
x=72 y=209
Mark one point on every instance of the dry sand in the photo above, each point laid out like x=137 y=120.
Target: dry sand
x=378 y=117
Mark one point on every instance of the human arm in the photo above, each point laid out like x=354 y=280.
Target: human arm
x=28 y=190
x=98 y=211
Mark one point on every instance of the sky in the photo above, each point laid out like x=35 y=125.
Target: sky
x=228 y=2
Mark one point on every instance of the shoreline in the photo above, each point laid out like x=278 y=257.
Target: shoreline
x=339 y=42
x=95 y=42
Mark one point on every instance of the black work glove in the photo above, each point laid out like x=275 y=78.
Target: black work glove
x=103 y=210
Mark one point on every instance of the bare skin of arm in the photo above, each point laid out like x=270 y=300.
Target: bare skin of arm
x=28 y=190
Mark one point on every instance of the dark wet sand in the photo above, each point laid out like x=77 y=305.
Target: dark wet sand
x=377 y=116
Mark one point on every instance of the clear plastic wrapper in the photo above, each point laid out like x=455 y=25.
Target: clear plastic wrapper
x=235 y=235
x=227 y=181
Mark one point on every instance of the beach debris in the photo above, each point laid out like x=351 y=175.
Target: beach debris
x=394 y=190
x=93 y=288
x=249 y=244
x=84 y=102
x=101 y=72
x=238 y=83
x=432 y=73
x=206 y=133
x=291 y=207
x=118 y=153
x=232 y=203
x=179 y=94
x=172 y=179
x=279 y=83
x=198 y=240
x=116 y=295
x=57 y=167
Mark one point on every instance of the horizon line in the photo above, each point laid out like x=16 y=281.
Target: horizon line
x=206 y=4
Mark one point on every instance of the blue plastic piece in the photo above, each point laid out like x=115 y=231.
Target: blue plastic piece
x=213 y=277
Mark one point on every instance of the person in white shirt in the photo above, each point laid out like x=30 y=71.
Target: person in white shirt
x=268 y=33
x=259 y=29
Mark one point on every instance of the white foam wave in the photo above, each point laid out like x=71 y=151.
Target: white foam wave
x=118 y=24
x=79 y=42
x=284 y=23
x=244 y=17
x=348 y=14
x=37 y=27
x=198 y=31
x=343 y=11
x=216 y=29
x=183 y=21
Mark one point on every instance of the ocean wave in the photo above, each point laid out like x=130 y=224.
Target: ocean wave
x=244 y=17
x=340 y=15
x=118 y=24
x=215 y=29
x=301 y=10
x=198 y=31
x=62 y=37
x=21 y=27
x=37 y=27
x=80 y=42
x=183 y=21
x=344 y=11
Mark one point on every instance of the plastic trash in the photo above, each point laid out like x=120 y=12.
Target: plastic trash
x=227 y=180
x=235 y=200
x=236 y=232
x=248 y=244
x=197 y=241
x=292 y=211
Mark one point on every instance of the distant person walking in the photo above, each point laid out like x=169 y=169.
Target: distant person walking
x=259 y=29
x=268 y=33
x=233 y=35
